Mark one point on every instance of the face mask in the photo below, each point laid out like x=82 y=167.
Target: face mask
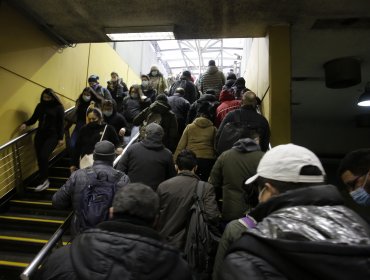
x=361 y=196
x=145 y=83
x=114 y=80
x=154 y=73
x=86 y=98
x=107 y=113
x=135 y=95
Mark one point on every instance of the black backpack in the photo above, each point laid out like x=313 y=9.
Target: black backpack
x=96 y=199
x=200 y=242
x=233 y=131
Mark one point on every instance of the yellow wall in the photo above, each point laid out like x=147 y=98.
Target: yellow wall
x=268 y=70
x=30 y=61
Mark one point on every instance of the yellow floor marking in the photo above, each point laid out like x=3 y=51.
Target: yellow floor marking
x=32 y=219
x=26 y=239
x=17 y=264
x=32 y=202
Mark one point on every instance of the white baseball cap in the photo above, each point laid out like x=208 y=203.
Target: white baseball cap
x=284 y=163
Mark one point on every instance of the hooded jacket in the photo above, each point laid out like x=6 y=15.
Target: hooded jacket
x=148 y=162
x=199 y=136
x=212 y=79
x=168 y=122
x=228 y=104
x=229 y=172
x=158 y=82
x=117 y=249
x=306 y=233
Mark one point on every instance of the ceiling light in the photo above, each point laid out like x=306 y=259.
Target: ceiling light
x=364 y=99
x=140 y=33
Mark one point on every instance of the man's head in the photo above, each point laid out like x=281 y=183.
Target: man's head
x=104 y=151
x=93 y=80
x=186 y=160
x=354 y=172
x=162 y=98
x=154 y=131
x=211 y=63
x=114 y=76
x=287 y=167
x=136 y=200
x=249 y=99
x=186 y=75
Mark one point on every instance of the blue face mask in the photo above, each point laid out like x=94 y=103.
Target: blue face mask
x=361 y=196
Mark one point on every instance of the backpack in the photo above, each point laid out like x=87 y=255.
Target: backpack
x=151 y=118
x=95 y=200
x=233 y=131
x=200 y=242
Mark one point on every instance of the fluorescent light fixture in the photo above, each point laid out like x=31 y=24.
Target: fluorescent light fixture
x=364 y=99
x=140 y=33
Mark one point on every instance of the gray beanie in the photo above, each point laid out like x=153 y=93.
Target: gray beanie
x=104 y=150
x=154 y=130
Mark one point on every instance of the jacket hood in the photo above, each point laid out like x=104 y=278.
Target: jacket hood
x=207 y=97
x=121 y=250
x=246 y=145
x=212 y=69
x=202 y=122
x=226 y=95
x=160 y=107
x=314 y=213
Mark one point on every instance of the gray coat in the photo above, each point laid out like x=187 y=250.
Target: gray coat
x=68 y=196
x=176 y=198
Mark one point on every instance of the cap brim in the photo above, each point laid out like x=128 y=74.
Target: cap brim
x=251 y=179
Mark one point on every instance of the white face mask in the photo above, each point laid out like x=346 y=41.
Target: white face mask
x=107 y=113
x=145 y=83
x=86 y=98
x=154 y=73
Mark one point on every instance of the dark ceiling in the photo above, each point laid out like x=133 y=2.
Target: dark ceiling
x=82 y=21
x=323 y=119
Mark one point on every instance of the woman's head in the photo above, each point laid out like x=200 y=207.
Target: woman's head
x=94 y=115
x=48 y=96
x=88 y=94
x=135 y=91
x=108 y=108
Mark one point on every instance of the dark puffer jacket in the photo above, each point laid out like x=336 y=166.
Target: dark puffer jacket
x=118 y=249
x=68 y=196
x=168 y=122
x=306 y=234
x=148 y=162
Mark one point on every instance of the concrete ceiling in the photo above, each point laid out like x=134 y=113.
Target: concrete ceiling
x=82 y=21
x=321 y=30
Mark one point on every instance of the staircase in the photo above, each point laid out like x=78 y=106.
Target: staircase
x=28 y=221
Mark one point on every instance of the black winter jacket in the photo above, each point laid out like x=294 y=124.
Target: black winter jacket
x=132 y=107
x=249 y=114
x=89 y=135
x=148 y=162
x=304 y=234
x=51 y=119
x=168 y=122
x=117 y=249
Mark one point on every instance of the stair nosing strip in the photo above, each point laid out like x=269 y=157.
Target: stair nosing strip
x=31 y=219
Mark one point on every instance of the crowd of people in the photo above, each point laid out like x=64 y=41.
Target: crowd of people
x=269 y=214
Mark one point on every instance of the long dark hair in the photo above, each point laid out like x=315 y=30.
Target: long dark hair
x=50 y=92
x=94 y=97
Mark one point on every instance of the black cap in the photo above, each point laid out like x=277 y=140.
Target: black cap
x=104 y=150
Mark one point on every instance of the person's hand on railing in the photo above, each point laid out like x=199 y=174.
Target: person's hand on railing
x=119 y=151
x=60 y=142
x=72 y=168
x=22 y=127
x=122 y=132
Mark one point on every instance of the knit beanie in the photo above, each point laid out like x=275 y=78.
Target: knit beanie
x=93 y=79
x=105 y=151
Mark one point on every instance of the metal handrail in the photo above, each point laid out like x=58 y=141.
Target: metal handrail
x=26 y=134
x=53 y=241
x=44 y=252
x=133 y=139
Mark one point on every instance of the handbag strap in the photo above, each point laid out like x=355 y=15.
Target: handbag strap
x=101 y=138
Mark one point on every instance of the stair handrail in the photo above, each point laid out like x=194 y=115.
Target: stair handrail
x=44 y=252
x=27 y=133
x=56 y=237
